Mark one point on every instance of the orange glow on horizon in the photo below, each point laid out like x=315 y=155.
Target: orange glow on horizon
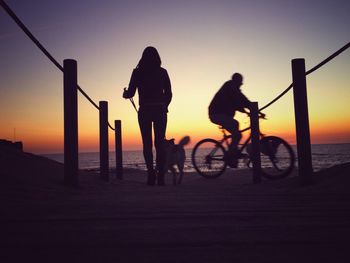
x=53 y=142
x=323 y=130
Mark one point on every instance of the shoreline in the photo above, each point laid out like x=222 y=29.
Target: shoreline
x=323 y=156
x=41 y=165
x=88 y=152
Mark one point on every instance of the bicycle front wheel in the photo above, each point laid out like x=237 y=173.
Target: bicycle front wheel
x=277 y=157
x=208 y=158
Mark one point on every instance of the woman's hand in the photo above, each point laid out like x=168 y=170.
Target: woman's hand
x=125 y=94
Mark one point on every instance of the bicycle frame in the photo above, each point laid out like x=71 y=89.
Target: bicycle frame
x=227 y=137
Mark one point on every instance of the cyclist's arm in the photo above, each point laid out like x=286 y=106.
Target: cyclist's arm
x=261 y=114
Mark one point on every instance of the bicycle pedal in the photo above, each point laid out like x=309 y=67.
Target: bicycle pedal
x=243 y=155
x=232 y=163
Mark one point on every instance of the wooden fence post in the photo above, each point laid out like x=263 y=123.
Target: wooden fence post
x=104 y=159
x=302 y=121
x=255 y=133
x=118 y=149
x=70 y=101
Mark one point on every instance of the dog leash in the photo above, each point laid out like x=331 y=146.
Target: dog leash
x=133 y=104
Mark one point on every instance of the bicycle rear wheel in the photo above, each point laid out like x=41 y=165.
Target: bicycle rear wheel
x=277 y=157
x=208 y=158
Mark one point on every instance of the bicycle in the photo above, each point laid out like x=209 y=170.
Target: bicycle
x=210 y=157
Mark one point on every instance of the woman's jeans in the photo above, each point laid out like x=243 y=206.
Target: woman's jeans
x=156 y=119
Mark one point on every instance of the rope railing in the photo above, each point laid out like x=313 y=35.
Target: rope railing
x=328 y=59
x=71 y=86
x=325 y=61
x=44 y=50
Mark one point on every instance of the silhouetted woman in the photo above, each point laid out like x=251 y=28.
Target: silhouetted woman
x=154 y=89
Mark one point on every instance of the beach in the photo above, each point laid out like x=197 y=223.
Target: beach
x=323 y=156
x=228 y=219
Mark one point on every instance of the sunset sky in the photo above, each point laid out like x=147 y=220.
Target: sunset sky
x=201 y=43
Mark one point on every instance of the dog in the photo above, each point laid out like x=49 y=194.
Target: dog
x=176 y=156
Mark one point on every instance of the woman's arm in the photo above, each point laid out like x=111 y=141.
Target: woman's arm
x=167 y=88
x=130 y=92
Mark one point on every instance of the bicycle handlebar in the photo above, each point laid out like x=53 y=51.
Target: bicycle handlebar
x=261 y=116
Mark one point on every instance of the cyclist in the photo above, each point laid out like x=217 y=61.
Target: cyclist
x=222 y=109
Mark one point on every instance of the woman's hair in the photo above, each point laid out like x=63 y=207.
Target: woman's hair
x=150 y=59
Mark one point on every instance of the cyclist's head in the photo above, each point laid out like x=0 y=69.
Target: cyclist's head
x=237 y=78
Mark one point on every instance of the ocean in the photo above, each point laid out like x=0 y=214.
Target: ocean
x=323 y=156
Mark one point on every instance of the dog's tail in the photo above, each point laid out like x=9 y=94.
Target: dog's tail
x=185 y=140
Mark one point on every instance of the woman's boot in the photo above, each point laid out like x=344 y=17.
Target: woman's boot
x=151 y=177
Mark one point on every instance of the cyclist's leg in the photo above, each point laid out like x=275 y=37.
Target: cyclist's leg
x=233 y=152
x=231 y=125
x=236 y=137
x=225 y=121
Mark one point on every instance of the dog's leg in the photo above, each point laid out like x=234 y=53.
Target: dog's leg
x=181 y=175
x=173 y=171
